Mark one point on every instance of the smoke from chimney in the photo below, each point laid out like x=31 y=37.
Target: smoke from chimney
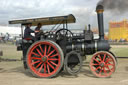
x=115 y=6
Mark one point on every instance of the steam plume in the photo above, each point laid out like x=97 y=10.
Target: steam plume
x=115 y=6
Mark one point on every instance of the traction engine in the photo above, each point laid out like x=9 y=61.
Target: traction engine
x=61 y=49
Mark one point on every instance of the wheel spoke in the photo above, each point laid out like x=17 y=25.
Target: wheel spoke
x=48 y=68
x=45 y=50
x=100 y=71
x=50 y=65
x=53 y=63
x=108 y=68
x=35 y=62
x=110 y=64
x=49 y=48
x=54 y=55
x=35 y=58
x=51 y=52
x=40 y=68
x=100 y=57
x=39 y=52
x=41 y=48
x=104 y=57
x=44 y=67
x=104 y=71
x=95 y=64
x=38 y=64
x=53 y=59
x=108 y=60
x=96 y=60
x=97 y=68
x=35 y=54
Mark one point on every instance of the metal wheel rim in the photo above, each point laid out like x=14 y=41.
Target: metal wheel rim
x=48 y=64
x=109 y=64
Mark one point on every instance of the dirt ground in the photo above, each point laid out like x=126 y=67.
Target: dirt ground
x=12 y=73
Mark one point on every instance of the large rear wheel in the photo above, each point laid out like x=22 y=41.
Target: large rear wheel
x=44 y=59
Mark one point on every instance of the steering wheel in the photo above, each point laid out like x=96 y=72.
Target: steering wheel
x=63 y=33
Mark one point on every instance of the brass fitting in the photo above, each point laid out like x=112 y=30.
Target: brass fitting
x=99 y=9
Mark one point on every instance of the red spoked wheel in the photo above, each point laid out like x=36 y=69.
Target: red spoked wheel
x=44 y=59
x=103 y=64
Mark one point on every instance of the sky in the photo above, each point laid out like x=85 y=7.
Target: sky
x=83 y=10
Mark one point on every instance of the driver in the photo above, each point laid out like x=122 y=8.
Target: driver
x=28 y=31
x=37 y=30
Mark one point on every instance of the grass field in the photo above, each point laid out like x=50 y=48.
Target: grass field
x=9 y=51
x=120 y=50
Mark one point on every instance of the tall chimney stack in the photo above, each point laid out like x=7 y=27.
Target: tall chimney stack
x=100 y=10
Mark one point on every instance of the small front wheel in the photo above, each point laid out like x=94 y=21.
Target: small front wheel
x=103 y=64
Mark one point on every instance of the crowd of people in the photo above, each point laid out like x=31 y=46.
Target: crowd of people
x=4 y=37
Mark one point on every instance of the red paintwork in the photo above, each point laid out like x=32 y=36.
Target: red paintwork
x=108 y=64
x=44 y=68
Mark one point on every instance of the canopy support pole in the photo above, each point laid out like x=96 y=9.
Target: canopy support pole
x=22 y=31
x=66 y=25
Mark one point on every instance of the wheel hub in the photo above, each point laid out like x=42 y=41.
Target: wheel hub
x=102 y=64
x=44 y=59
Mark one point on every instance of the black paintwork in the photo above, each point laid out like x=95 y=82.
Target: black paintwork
x=84 y=43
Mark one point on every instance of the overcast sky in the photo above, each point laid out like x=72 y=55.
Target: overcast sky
x=83 y=10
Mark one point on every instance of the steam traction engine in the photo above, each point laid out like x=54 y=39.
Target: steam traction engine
x=60 y=49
